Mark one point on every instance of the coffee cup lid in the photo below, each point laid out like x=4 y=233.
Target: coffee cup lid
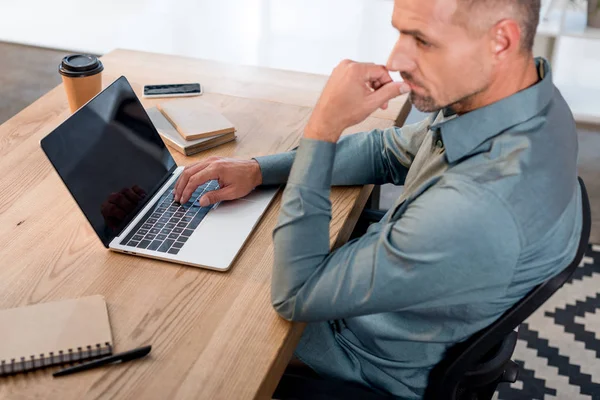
x=80 y=65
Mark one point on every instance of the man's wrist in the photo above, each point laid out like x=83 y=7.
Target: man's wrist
x=322 y=133
x=317 y=129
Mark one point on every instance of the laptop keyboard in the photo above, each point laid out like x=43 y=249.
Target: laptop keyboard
x=167 y=226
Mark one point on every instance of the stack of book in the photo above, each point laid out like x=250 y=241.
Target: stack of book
x=191 y=125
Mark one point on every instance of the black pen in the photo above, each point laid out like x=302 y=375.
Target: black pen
x=117 y=358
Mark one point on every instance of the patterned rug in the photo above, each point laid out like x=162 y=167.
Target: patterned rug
x=559 y=346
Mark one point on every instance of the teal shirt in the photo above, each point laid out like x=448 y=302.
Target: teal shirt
x=490 y=209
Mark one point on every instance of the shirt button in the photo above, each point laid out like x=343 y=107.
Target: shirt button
x=439 y=144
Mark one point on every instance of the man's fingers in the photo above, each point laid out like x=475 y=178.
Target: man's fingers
x=373 y=74
x=377 y=73
x=387 y=93
x=196 y=180
x=215 y=196
x=185 y=176
x=376 y=85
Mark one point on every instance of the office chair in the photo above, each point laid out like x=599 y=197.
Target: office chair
x=470 y=370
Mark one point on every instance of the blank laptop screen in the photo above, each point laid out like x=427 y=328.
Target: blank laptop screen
x=111 y=158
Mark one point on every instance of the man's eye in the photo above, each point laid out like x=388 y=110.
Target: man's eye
x=423 y=42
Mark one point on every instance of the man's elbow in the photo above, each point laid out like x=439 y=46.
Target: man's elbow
x=284 y=295
x=285 y=308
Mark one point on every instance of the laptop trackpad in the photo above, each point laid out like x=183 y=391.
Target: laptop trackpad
x=223 y=231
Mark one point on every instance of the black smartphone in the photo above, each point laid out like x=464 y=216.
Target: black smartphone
x=173 y=90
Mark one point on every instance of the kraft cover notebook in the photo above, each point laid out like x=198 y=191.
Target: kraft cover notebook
x=53 y=333
x=175 y=140
x=195 y=118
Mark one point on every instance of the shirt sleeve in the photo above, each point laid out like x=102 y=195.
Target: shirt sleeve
x=374 y=157
x=453 y=244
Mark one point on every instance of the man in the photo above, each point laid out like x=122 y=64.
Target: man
x=490 y=209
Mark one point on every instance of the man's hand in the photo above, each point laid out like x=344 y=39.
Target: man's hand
x=236 y=178
x=354 y=91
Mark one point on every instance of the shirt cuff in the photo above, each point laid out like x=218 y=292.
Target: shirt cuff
x=275 y=168
x=314 y=164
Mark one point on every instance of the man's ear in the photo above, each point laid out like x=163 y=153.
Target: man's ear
x=505 y=38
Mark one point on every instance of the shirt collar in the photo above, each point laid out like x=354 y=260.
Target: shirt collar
x=463 y=134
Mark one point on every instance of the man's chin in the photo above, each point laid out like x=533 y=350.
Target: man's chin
x=424 y=103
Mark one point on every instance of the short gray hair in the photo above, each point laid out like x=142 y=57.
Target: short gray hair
x=526 y=12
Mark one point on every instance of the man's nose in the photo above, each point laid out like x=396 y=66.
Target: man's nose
x=402 y=58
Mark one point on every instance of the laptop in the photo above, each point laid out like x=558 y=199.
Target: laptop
x=119 y=171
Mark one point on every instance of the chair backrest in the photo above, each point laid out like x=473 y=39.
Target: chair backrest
x=461 y=358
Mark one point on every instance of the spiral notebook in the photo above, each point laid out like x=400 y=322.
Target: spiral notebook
x=53 y=333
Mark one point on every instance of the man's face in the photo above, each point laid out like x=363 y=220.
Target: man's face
x=442 y=62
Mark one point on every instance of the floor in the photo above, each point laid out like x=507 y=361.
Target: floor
x=558 y=350
x=26 y=73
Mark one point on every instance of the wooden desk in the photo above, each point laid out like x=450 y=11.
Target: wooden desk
x=214 y=335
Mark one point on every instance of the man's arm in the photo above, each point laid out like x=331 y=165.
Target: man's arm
x=375 y=157
x=453 y=244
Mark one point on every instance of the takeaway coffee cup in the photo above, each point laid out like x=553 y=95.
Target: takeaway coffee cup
x=82 y=77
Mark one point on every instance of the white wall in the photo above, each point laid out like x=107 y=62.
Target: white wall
x=307 y=35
